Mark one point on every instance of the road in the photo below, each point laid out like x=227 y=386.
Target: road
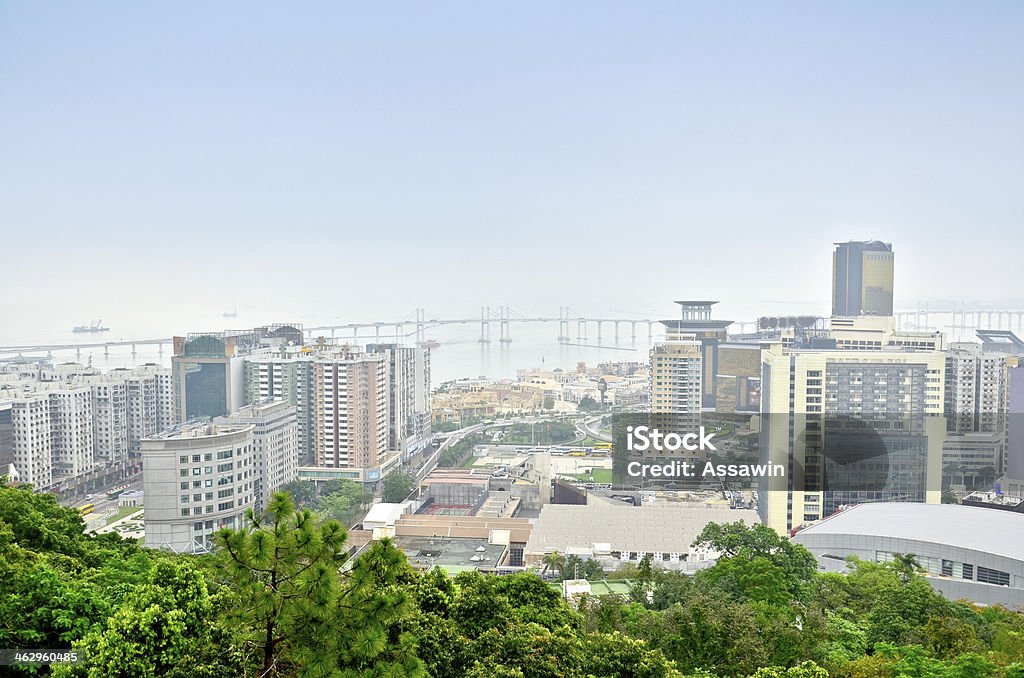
x=431 y=462
x=105 y=508
x=584 y=426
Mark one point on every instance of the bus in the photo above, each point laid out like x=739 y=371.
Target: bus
x=116 y=492
x=86 y=509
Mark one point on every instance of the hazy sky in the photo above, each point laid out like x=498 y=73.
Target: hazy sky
x=161 y=163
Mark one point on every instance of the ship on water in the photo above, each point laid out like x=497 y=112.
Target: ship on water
x=90 y=328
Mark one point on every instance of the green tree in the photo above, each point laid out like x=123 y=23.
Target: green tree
x=806 y=669
x=165 y=629
x=906 y=565
x=284 y=568
x=342 y=500
x=792 y=564
x=756 y=579
x=554 y=561
x=397 y=487
x=575 y=567
x=303 y=492
x=297 y=610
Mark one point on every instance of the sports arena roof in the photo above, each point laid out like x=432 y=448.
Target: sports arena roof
x=968 y=527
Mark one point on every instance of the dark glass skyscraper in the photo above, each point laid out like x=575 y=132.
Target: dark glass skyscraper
x=862 y=274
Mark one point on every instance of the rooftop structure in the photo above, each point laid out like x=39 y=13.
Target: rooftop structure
x=615 y=534
x=453 y=555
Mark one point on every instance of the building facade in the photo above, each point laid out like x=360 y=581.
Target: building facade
x=862 y=278
x=409 y=415
x=71 y=425
x=350 y=411
x=965 y=551
x=677 y=384
x=849 y=427
x=32 y=440
x=197 y=478
x=288 y=378
x=975 y=389
x=208 y=371
x=275 y=441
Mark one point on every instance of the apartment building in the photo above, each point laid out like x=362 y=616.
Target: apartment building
x=275 y=442
x=289 y=378
x=409 y=413
x=71 y=426
x=676 y=384
x=110 y=421
x=32 y=440
x=350 y=411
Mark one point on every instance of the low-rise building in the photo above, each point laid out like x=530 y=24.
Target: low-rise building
x=965 y=551
x=615 y=534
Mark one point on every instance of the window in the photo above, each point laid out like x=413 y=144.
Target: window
x=997 y=577
x=208 y=483
x=197 y=471
x=947 y=568
x=184 y=499
x=183 y=472
x=195 y=458
x=208 y=456
x=184 y=485
x=968 y=571
x=184 y=511
x=183 y=459
x=209 y=470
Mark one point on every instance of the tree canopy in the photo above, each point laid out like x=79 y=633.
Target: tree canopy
x=282 y=597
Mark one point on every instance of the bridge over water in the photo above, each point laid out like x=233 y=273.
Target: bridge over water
x=572 y=327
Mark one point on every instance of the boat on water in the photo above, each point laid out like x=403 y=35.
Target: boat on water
x=429 y=343
x=90 y=328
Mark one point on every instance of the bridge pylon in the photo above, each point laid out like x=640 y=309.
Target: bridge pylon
x=485 y=324
x=563 y=324
x=503 y=328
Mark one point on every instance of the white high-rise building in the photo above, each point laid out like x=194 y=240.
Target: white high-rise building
x=975 y=389
x=32 y=440
x=676 y=384
x=276 y=444
x=408 y=397
x=71 y=420
x=6 y=439
x=288 y=378
x=164 y=381
x=110 y=421
x=197 y=479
